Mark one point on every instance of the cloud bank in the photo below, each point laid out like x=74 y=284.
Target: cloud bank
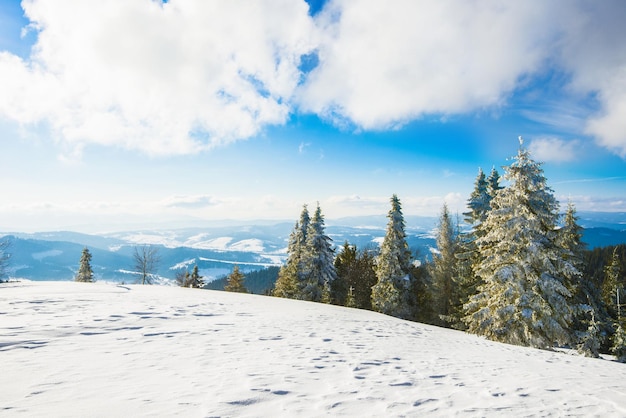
x=185 y=75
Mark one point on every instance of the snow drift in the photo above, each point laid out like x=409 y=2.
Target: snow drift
x=78 y=349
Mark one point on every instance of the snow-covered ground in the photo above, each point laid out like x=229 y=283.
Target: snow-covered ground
x=78 y=349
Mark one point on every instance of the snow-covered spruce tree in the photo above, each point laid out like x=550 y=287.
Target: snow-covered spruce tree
x=317 y=263
x=524 y=298
x=589 y=341
x=443 y=271
x=85 y=273
x=288 y=282
x=613 y=287
x=235 y=281
x=195 y=280
x=393 y=266
x=493 y=183
x=479 y=200
x=590 y=317
x=479 y=205
x=619 y=343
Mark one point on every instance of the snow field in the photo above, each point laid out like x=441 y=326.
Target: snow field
x=80 y=349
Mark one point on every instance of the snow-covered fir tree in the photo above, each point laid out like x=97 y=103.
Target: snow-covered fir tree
x=524 y=297
x=479 y=201
x=85 y=273
x=317 y=262
x=590 y=317
x=443 y=270
x=619 y=343
x=288 y=282
x=613 y=286
x=235 y=281
x=479 y=205
x=393 y=266
x=589 y=341
x=493 y=183
x=195 y=280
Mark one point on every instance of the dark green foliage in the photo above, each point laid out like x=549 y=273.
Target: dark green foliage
x=260 y=282
x=420 y=295
x=235 y=282
x=356 y=276
x=194 y=280
x=444 y=273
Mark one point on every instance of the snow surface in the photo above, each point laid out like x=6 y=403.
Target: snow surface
x=81 y=349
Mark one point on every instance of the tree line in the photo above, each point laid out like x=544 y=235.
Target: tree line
x=518 y=273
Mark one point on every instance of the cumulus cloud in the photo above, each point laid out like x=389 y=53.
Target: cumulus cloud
x=180 y=76
x=384 y=63
x=163 y=78
x=553 y=149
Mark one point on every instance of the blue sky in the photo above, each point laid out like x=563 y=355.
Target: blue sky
x=125 y=114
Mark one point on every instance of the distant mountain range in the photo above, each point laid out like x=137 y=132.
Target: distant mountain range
x=216 y=249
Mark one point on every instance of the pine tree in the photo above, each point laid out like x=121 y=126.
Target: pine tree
x=356 y=275
x=345 y=266
x=590 y=317
x=288 y=284
x=393 y=266
x=619 y=343
x=235 y=281
x=479 y=201
x=589 y=342
x=317 y=262
x=493 y=183
x=443 y=271
x=467 y=255
x=350 y=300
x=524 y=298
x=195 y=280
x=613 y=287
x=85 y=273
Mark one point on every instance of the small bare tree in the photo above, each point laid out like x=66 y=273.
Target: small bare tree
x=146 y=260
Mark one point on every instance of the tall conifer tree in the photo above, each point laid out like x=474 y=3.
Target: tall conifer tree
x=393 y=266
x=288 y=284
x=444 y=272
x=235 y=281
x=317 y=262
x=85 y=273
x=524 y=298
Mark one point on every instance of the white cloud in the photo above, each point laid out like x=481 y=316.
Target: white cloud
x=384 y=63
x=161 y=78
x=186 y=75
x=553 y=150
x=189 y=202
x=610 y=126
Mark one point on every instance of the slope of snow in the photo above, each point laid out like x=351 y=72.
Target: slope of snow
x=78 y=349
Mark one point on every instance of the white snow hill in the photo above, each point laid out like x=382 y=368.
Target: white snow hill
x=103 y=350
